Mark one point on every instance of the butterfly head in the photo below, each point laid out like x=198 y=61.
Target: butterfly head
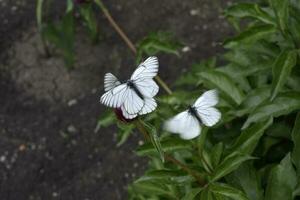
x=191 y=109
x=130 y=83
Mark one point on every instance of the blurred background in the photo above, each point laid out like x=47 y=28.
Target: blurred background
x=49 y=94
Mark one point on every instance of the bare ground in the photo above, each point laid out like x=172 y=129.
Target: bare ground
x=48 y=148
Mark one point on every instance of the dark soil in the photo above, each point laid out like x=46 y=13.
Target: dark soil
x=48 y=148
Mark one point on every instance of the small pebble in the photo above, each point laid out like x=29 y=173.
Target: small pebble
x=72 y=102
x=186 y=49
x=2 y=158
x=71 y=129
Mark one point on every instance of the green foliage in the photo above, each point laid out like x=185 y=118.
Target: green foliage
x=89 y=18
x=282 y=181
x=157 y=42
x=253 y=152
x=61 y=33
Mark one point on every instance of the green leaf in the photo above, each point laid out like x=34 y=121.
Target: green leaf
x=157 y=42
x=296 y=140
x=191 y=195
x=39 y=14
x=281 y=9
x=155 y=140
x=206 y=194
x=70 y=6
x=168 y=145
x=229 y=164
x=283 y=104
x=167 y=176
x=216 y=154
x=246 y=178
x=249 y=10
x=86 y=11
x=153 y=187
x=253 y=99
x=250 y=137
x=224 y=84
x=62 y=36
x=282 y=69
x=227 y=191
x=282 y=181
x=125 y=130
x=107 y=119
x=251 y=35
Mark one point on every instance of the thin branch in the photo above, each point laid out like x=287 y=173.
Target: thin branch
x=170 y=158
x=128 y=42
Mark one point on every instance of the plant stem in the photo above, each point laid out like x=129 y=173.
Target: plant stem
x=126 y=39
x=116 y=26
x=170 y=158
x=39 y=19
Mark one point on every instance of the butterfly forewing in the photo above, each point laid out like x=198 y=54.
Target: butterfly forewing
x=146 y=70
x=115 y=97
x=204 y=106
x=207 y=99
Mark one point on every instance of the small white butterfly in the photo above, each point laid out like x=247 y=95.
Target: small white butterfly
x=135 y=96
x=188 y=123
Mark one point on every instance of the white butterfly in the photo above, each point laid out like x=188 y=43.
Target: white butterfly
x=135 y=96
x=188 y=123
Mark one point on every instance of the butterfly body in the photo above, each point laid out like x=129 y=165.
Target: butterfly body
x=192 y=111
x=131 y=84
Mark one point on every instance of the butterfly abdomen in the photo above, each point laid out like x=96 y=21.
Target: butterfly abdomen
x=135 y=89
x=194 y=112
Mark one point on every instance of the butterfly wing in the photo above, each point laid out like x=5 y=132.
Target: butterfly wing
x=115 y=97
x=133 y=103
x=207 y=99
x=146 y=70
x=184 y=124
x=126 y=114
x=204 y=107
x=110 y=82
x=142 y=77
x=149 y=106
x=147 y=87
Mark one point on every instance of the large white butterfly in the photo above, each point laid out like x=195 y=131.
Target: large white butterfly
x=134 y=96
x=188 y=123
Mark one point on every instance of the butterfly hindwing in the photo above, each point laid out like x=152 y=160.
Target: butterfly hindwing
x=184 y=124
x=110 y=82
x=133 y=103
x=209 y=116
x=147 y=87
x=149 y=106
x=126 y=114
